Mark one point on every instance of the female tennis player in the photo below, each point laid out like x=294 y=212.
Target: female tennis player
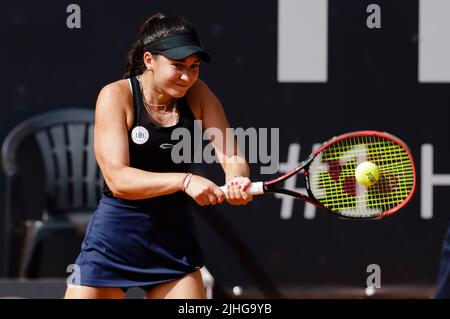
x=142 y=233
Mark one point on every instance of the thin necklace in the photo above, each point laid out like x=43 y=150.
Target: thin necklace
x=165 y=105
x=157 y=120
x=150 y=111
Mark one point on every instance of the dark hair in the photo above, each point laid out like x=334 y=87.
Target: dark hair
x=154 y=28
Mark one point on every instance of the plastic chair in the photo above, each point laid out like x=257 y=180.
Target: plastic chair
x=73 y=181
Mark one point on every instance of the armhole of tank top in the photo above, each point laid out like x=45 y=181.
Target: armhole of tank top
x=135 y=105
x=131 y=86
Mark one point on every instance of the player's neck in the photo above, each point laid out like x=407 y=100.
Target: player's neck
x=150 y=93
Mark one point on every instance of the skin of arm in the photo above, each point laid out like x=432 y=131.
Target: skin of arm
x=213 y=116
x=233 y=163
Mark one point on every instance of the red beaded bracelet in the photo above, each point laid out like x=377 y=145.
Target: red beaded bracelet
x=185 y=182
x=182 y=182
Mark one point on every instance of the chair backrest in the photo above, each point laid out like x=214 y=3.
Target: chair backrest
x=65 y=139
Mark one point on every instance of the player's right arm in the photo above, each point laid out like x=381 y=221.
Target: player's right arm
x=112 y=154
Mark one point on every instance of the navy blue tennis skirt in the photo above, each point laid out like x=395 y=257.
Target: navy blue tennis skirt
x=139 y=243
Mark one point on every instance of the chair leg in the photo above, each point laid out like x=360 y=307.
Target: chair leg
x=32 y=240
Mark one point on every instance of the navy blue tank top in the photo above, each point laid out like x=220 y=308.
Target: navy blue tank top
x=154 y=154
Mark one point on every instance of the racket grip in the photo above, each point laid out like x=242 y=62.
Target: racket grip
x=255 y=188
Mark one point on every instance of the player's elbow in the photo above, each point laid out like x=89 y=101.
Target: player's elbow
x=116 y=185
x=117 y=192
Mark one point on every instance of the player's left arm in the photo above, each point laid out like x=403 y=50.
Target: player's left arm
x=215 y=124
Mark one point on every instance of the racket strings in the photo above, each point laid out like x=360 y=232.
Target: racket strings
x=336 y=187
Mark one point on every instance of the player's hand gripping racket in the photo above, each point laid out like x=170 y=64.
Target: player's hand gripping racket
x=364 y=174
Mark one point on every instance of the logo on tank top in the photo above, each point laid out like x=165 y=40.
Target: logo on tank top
x=139 y=135
x=166 y=146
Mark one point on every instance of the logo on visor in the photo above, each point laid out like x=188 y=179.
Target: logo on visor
x=139 y=135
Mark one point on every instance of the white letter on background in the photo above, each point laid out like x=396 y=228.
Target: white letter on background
x=434 y=41
x=302 y=40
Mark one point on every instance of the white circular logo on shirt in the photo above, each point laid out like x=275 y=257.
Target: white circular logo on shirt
x=139 y=135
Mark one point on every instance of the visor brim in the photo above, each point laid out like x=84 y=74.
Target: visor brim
x=180 y=53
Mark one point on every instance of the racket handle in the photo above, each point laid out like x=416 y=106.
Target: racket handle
x=254 y=189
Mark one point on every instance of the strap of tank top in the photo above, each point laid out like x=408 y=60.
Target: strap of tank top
x=137 y=101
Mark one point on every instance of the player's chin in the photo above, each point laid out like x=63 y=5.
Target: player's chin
x=178 y=91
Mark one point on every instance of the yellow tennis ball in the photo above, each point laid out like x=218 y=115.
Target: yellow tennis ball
x=367 y=173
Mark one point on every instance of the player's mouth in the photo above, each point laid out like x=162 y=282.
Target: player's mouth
x=183 y=86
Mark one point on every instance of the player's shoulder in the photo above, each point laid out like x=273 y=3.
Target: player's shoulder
x=198 y=88
x=116 y=90
x=115 y=98
x=196 y=95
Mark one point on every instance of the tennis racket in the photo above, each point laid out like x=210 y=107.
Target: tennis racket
x=331 y=183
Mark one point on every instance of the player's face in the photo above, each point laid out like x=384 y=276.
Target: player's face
x=175 y=77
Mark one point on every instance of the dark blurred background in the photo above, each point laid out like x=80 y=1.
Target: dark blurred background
x=371 y=81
